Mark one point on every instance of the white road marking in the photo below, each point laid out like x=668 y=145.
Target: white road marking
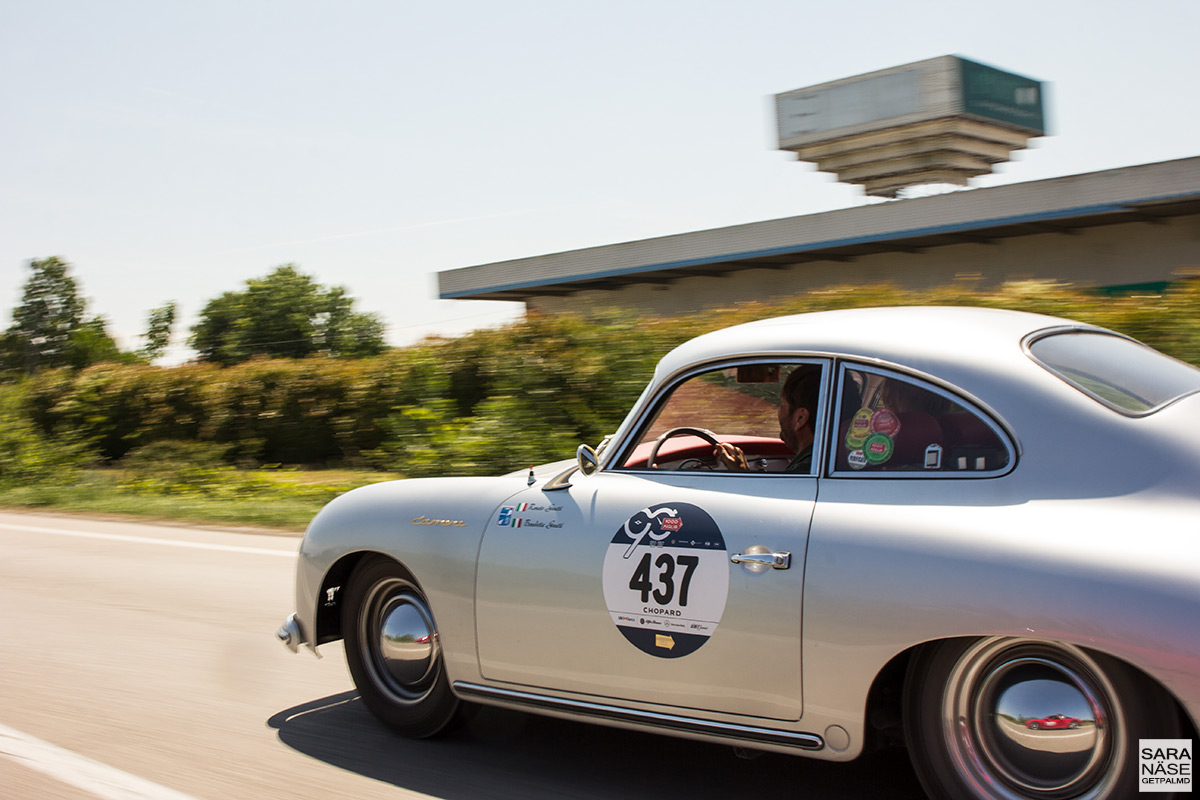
x=79 y=771
x=116 y=537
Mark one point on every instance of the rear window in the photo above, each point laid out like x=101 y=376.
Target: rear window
x=1121 y=373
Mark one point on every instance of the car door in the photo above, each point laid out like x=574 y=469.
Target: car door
x=625 y=586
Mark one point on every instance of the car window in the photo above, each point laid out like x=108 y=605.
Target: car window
x=736 y=404
x=894 y=424
x=1121 y=373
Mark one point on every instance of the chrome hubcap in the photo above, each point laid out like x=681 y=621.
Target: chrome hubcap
x=1025 y=718
x=399 y=640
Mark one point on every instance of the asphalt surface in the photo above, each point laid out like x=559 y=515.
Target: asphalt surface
x=138 y=662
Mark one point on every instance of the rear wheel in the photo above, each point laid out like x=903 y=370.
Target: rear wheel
x=394 y=652
x=966 y=707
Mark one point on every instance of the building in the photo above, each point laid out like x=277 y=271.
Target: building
x=941 y=120
x=1121 y=227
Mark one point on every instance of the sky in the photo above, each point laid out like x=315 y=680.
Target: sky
x=172 y=150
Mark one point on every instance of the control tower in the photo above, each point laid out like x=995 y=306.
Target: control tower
x=943 y=120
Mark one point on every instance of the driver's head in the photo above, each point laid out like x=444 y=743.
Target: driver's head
x=798 y=406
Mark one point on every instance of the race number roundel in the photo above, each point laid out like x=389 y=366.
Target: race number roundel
x=666 y=578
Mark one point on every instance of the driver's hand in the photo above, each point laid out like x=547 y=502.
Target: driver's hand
x=731 y=457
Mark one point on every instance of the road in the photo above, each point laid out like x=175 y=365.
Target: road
x=138 y=662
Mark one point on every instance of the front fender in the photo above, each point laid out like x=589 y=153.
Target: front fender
x=431 y=526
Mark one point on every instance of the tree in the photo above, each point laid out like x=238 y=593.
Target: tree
x=158 y=331
x=50 y=310
x=354 y=334
x=285 y=315
x=215 y=336
x=90 y=343
x=49 y=329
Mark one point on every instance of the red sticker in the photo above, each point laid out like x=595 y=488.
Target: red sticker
x=672 y=523
x=884 y=421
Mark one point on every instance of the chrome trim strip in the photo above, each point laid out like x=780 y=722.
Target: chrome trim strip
x=725 y=730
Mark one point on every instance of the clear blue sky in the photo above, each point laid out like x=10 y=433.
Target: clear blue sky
x=171 y=150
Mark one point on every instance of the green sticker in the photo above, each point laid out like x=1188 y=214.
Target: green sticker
x=878 y=448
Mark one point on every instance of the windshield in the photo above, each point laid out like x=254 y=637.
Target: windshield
x=1121 y=373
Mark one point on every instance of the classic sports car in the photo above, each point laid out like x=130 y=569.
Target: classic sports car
x=1052 y=722
x=815 y=534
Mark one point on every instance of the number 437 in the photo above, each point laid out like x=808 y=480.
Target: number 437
x=641 y=580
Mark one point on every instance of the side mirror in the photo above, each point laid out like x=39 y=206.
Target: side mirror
x=589 y=462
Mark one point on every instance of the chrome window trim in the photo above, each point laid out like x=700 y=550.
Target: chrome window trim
x=938 y=387
x=1027 y=346
x=677 y=722
x=652 y=406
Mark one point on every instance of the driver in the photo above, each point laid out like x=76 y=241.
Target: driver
x=797 y=413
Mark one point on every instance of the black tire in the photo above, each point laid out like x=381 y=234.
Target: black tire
x=400 y=673
x=964 y=745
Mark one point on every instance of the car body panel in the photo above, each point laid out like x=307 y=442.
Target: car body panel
x=387 y=518
x=932 y=575
x=541 y=593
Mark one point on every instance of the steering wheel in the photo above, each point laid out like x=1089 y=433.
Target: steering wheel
x=702 y=433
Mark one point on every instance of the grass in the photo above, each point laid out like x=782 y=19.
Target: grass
x=280 y=499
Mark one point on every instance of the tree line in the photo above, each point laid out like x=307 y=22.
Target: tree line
x=487 y=402
x=285 y=314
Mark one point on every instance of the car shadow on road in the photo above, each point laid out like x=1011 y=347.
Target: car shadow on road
x=506 y=754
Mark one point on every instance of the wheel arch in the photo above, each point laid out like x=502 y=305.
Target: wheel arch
x=966 y=697
x=329 y=606
x=884 y=706
x=884 y=713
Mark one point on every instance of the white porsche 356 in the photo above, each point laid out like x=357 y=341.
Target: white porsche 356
x=808 y=532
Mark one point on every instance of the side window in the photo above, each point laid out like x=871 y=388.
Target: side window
x=890 y=423
x=740 y=407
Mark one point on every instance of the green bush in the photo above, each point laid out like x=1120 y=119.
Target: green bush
x=487 y=402
x=26 y=455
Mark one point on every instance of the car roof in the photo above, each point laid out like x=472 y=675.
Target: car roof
x=947 y=342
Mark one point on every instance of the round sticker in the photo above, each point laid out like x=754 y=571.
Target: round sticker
x=666 y=579
x=860 y=428
x=884 y=421
x=856 y=459
x=878 y=448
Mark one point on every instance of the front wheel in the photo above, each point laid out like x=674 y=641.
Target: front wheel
x=394 y=652
x=965 y=706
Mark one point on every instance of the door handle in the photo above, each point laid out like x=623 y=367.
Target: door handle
x=765 y=559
